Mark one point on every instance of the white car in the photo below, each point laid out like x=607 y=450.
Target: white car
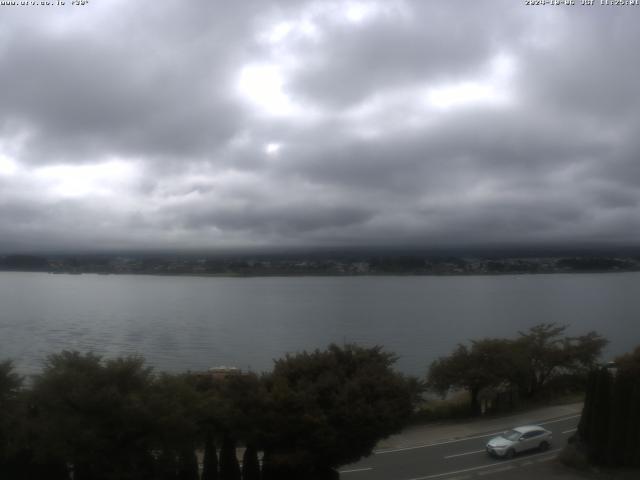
x=519 y=439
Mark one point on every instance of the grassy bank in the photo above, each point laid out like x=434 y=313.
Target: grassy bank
x=456 y=407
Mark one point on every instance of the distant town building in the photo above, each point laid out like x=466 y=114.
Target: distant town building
x=222 y=372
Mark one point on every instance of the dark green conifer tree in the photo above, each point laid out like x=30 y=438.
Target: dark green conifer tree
x=602 y=405
x=188 y=465
x=250 y=464
x=609 y=430
x=229 y=467
x=267 y=472
x=210 y=460
x=167 y=465
x=620 y=393
x=588 y=412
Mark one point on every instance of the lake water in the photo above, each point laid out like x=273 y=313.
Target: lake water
x=181 y=323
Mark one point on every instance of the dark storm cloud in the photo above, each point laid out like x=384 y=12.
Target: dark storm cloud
x=416 y=40
x=210 y=124
x=276 y=221
x=82 y=96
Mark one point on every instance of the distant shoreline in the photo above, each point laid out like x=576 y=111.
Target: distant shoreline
x=323 y=275
x=317 y=266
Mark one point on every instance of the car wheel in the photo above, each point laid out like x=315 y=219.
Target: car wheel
x=510 y=453
x=544 y=446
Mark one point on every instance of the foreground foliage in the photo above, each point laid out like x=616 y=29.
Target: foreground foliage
x=329 y=408
x=88 y=418
x=524 y=367
x=609 y=429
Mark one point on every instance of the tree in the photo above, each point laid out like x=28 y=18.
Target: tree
x=188 y=465
x=629 y=363
x=487 y=363
x=609 y=428
x=550 y=353
x=210 y=460
x=229 y=409
x=233 y=406
x=250 y=464
x=239 y=402
x=331 y=407
x=229 y=467
x=175 y=406
x=11 y=418
x=94 y=414
x=167 y=465
x=626 y=401
x=10 y=383
x=539 y=355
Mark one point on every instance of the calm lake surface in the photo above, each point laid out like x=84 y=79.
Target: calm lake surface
x=181 y=323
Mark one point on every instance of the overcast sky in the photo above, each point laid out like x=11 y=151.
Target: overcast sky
x=131 y=124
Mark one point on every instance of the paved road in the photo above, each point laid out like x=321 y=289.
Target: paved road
x=454 y=459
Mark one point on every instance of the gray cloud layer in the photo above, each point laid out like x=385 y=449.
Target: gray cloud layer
x=267 y=123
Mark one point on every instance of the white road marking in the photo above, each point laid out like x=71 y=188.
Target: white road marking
x=447 y=442
x=380 y=452
x=482 y=451
x=466 y=453
x=560 y=419
x=498 y=470
x=356 y=470
x=482 y=467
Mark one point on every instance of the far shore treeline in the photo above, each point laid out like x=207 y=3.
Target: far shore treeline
x=327 y=263
x=90 y=418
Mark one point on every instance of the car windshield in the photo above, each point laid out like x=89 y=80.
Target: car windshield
x=512 y=435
